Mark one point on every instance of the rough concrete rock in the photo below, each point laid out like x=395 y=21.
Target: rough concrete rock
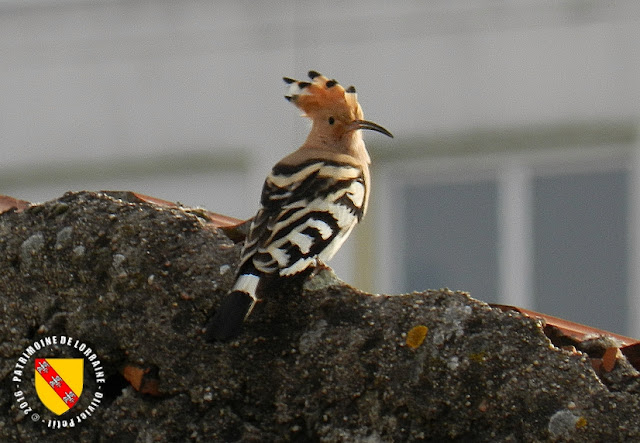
x=137 y=282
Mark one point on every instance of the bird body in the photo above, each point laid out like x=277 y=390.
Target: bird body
x=311 y=200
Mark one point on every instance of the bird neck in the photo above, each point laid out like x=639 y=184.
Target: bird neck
x=350 y=144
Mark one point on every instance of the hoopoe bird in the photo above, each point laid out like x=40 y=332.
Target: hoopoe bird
x=310 y=201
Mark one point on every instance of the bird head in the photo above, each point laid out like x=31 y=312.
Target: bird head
x=334 y=110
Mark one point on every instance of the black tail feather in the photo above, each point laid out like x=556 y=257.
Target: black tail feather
x=226 y=323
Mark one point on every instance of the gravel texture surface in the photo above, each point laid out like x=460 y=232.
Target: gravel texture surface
x=136 y=283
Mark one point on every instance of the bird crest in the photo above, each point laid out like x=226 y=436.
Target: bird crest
x=323 y=94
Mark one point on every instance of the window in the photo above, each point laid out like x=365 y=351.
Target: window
x=580 y=231
x=547 y=230
x=451 y=237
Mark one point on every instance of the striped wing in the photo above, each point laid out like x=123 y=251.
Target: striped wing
x=307 y=212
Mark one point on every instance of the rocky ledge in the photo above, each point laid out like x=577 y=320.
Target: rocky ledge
x=136 y=281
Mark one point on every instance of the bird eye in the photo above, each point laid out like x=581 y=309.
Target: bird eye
x=332 y=120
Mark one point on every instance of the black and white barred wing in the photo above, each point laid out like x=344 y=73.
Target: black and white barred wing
x=307 y=212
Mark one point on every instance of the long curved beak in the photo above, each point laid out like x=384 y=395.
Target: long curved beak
x=364 y=124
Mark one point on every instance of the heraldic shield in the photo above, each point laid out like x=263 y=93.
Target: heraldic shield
x=59 y=382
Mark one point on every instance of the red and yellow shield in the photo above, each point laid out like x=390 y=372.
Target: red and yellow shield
x=59 y=382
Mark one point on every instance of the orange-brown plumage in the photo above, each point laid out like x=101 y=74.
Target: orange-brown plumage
x=315 y=98
x=336 y=115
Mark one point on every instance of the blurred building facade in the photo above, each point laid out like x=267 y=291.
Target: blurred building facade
x=514 y=174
